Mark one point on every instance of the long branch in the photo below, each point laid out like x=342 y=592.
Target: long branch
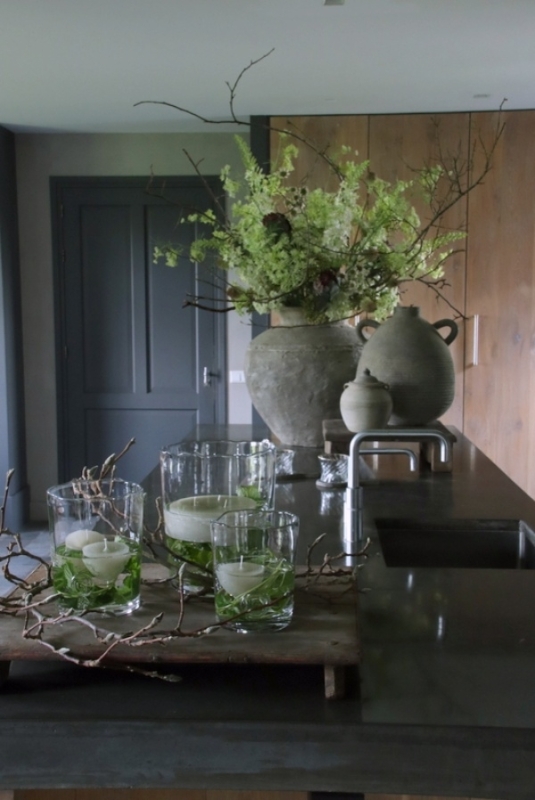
x=233 y=88
x=3 y=507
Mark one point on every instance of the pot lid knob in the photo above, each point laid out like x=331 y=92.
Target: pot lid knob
x=369 y=380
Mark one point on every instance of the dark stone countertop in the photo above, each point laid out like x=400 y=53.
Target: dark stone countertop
x=445 y=703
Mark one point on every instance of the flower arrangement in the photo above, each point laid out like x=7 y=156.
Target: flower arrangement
x=332 y=254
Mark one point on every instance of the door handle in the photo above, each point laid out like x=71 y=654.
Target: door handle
x=207 y=377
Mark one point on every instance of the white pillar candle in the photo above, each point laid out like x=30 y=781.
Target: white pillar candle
x=106 y=559
x=78 y=539
x=238 y=577
x=189 y=518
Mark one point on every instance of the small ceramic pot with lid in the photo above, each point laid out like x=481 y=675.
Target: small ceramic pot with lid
x=365 y=403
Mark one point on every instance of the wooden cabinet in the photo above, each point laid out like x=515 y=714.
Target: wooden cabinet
x=491 y=281
x=499 y=389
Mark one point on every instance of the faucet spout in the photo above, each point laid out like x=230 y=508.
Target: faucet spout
x=353 y=516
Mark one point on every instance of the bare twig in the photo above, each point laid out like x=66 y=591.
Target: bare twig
x=232 y=89
x=9 y=477
x=291 y=130
x=107 y=470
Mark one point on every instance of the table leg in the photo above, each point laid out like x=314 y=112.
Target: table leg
x=335 y=682
x=4 y=673
x=335 y=796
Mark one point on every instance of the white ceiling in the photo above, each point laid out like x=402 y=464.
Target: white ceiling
x=81 y=65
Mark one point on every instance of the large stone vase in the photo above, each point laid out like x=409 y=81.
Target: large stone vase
x=411 y=356
x=296 y=373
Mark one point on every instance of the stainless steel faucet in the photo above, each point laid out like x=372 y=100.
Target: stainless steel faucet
x=353 y=516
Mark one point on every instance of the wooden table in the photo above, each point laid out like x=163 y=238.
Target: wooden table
x=323 y=632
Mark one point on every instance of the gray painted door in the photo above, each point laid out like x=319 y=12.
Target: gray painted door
x=133 y=360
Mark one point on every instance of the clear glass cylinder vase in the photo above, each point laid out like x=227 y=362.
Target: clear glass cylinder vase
x=96 y=532
x=254 y=554
x=201 y=480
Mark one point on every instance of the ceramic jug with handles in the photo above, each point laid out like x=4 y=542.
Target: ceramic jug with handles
x=411 y=356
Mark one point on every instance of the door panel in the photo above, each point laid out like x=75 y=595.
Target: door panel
x=132 y=357
x=106 y=288
x=171 y=368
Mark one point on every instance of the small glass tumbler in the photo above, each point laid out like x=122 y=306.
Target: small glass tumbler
x=254 y=572
x=284 y=465
x=96 y=531
x=333 y=471
x=200 y=481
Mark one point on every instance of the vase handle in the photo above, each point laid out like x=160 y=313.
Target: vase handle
x=454 y=329
x=365 y=323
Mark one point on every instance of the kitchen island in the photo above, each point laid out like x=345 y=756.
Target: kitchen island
x=444 y=702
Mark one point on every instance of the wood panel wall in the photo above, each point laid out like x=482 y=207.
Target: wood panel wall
x=494 y=276
x=500 y=389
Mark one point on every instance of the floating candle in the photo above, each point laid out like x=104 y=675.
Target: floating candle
x=78 y=539
x=106 y=559
x=238 y=577
x=189 y=518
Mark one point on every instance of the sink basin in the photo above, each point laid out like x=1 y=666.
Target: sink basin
x=457 y=543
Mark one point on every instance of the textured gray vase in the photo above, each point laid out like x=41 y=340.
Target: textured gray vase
x=295 y=374
x=411 y=356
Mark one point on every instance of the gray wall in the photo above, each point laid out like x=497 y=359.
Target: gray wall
x=40 y=156
x=12 y=444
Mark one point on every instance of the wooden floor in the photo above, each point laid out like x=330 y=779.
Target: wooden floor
x=180 y=794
